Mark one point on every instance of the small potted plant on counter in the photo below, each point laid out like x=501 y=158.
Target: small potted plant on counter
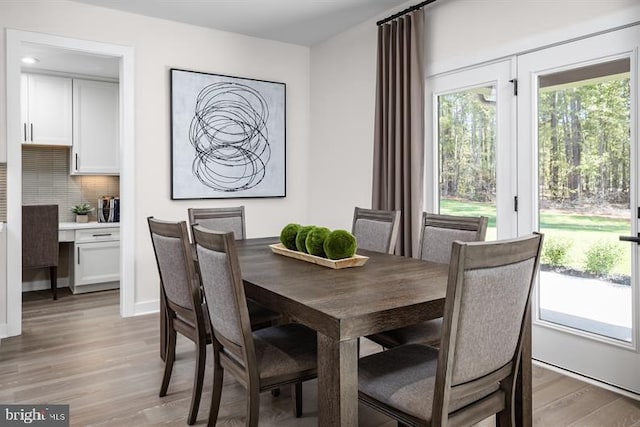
x=82 y=212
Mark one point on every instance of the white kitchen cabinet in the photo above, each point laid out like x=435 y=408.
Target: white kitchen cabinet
x=96 y=144
x=96 y=260
x=46 y=110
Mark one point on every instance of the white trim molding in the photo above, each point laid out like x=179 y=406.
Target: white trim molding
x=147 y=307
x=14 y=39
x=601 y=24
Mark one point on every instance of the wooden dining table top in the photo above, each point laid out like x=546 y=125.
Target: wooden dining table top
x=385 y=293
x=388 y=292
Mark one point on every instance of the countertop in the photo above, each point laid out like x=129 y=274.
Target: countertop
x=83 y=225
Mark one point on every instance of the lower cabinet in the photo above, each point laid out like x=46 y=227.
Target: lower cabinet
x=96 y=260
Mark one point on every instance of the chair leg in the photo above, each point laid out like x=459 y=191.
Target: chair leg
x=506 y=417
x=53 y=276
x=201 y=357
x=296 y=391
x=253 y=406
x=163 y=329
x=218 y=374
x=169 y=358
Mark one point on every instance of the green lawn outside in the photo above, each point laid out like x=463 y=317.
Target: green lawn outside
x=582 y=230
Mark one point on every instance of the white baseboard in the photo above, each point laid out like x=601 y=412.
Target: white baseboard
x=587 y=380
x=4 y=330
x=41 y=285
x=146 y=307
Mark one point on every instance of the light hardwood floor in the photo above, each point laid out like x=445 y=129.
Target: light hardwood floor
x=78 y=351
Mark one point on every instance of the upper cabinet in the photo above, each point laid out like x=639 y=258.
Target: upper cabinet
x=96 y=143
x=46 y=110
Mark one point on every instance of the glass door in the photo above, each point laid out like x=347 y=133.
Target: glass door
x=472 y=115
x=577 y=113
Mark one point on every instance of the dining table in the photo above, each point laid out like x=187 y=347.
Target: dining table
x=343 y=305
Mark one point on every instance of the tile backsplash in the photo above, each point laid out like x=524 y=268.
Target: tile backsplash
x=46 y=180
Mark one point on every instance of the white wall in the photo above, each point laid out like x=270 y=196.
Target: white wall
x=458 y=33
x=160 y=45
x=464 y=32
x=342 y=111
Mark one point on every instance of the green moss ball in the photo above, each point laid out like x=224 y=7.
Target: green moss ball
x=301 y=238
x=315 y=241
x=288 y=235
x=340 y=244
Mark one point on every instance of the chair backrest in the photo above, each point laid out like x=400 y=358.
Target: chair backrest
x=376 y=230
x=438 y=232
x=224 y=293
x=39 y=236
x=486 y=307
x=220 y=219
x=179 y=281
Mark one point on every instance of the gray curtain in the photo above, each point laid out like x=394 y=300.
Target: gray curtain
x=398 y=164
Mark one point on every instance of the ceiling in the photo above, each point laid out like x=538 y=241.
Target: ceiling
x=302 y=22
x=69 y=62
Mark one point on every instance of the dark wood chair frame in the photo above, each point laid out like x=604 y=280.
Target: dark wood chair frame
x=246 y=372
x=477 y=224
x=392 y=217
x=196 y=214
x=468 y=256
x=190 y=322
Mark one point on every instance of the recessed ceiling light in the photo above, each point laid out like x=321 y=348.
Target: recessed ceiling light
x=30 y=60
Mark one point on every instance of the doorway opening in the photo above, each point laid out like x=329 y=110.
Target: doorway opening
x=88 y=54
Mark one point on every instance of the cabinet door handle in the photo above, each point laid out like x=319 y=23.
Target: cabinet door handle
x=76 y=162
x=25 y=132
x=102 y=235
x=78 y=256
x=31 y=132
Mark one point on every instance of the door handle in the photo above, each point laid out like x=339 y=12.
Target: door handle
x=631 y=239
x=31 y=132
x=25 y=132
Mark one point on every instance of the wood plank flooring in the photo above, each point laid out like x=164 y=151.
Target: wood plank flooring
x=78 y=351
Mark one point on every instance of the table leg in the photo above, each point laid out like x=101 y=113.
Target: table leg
x=337 y=382
x=524 y=381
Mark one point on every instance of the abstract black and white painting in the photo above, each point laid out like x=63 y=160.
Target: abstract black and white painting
x=228 y=136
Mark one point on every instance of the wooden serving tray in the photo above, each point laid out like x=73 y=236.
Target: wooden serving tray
x=354 y=261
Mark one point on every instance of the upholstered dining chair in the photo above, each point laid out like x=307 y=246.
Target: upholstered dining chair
x=40 y=240
x=182 y=301
x=376 y=230
x=232 y=220
x=220 y=219
x=472 y=376
x=261 y=360
x=437 y=234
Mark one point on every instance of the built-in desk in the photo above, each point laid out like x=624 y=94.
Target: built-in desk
x=95 y=255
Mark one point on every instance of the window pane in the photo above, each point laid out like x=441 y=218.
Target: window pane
x=584 y=179
x=466 y=154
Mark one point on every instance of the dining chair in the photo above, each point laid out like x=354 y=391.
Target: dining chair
x=376 y=230
x=232 y=220
x=472 y=376
x=220 y=219
x=182 y=301
x=261 y=360
x=40 y=247
x=437 y=234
